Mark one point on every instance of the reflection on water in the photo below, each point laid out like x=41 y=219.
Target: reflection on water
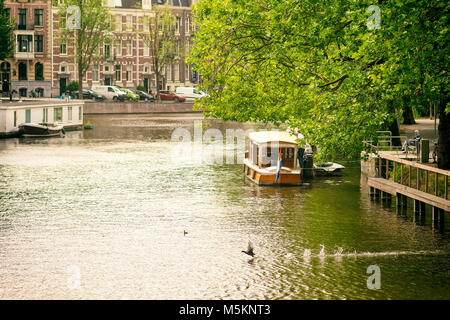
x=102 y=214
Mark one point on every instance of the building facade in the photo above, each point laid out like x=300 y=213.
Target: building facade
x=29 y=67
x=44 y=63
x=125 y=60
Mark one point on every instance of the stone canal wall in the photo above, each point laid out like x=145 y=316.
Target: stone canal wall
x=136 y=107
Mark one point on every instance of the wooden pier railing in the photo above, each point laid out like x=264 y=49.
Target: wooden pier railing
x=414 y=175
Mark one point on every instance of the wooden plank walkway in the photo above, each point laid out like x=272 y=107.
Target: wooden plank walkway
x=394 y=188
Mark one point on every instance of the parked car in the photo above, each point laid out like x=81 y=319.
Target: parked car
x=111 y=92
x=171 y=96
x=130 y=94
x=90 y=94
x=190 y=92
x=144 y=96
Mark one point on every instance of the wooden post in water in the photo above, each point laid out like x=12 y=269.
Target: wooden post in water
x=416 y=206
x=435 y=215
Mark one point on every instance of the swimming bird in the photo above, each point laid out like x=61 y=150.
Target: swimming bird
x=185 y=232
x=322 y=251
x=307 y=253
x=249 y=249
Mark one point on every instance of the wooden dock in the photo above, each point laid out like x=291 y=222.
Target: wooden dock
x=406 y=179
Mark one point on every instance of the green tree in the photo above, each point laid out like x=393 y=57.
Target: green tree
x=6 y=36
x=89 y=28
x=320 y=66
x=161 y=39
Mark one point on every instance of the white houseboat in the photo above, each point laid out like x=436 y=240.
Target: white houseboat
x=68 y=114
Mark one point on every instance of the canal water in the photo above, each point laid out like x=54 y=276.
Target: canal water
x=102 y=214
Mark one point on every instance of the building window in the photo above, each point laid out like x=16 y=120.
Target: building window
x=176 y=72
x=146 y=23
x=177 y=25
x=107 y=51
x=8 y=12
x=39 y=17
x=39 y=92
x=38 y=71
x=129 y=73
x=146 y=49
x=169 y=72
x=45 y=115
x=39 y=43
x=118 y=22
x=25 y=43
x=69 y=113
x=28 y=115
x=23 y=73
x=187 y=25
x=63 y=47
x=118 y=72
x=95 y=72
x=62 y=22
x=176 y=48
x=186 y=73
x=22 y=25
x=129 y=23
x=118 y=47
x=129 y=47
x=57 y=114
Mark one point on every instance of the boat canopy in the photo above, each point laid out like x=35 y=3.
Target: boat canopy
x=261 y=137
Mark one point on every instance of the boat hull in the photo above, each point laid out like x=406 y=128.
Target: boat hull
x=263 y=179
x=38 y=130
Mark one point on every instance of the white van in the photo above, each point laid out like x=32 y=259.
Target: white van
x=190 y=92
x=111 y=92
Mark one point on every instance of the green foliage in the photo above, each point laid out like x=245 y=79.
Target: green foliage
x=315 y=65
x=161 y=39
x=6 y=33
x=95 y=27
x=141 y=88
x=73 y=86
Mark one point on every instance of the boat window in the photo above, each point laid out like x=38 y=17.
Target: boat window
x=45 y=115
x=268 y=157
x=69 y=113
x=28 y=115
x=57 y=114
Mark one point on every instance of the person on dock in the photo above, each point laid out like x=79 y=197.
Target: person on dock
x=412 y=142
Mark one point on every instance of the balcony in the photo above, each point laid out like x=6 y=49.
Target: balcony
x=24 y=27
x=24 y=55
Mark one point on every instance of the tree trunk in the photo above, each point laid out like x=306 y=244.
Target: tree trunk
x=395 y=130
x=80 y=81
x=408 y=116
x=444 y=136
x=393 y=126
x=157 y=86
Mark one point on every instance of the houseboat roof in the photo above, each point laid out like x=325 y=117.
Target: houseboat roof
x=272 y=136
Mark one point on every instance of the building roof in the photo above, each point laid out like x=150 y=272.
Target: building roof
x=272 y=136
x=175 y=3
x=130 y=4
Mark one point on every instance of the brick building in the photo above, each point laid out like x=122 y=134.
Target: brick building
x=29 y=67
x=126 y=60
x=45 y=63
